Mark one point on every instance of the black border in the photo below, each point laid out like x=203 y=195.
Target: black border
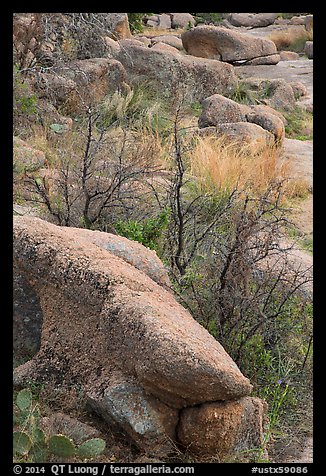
x=6 y=204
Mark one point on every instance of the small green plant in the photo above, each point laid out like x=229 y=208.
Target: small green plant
x=61 y=445
x=196 y=108
x=57 y=128
x=147 y=232
x=91 y=448
x=243 y=94
x=30 y=443
x=136 y=21
x=280 y=394
x=24 y=100
x=208 y=18
x=307 y=244
x=299 y=124
x=189 y=26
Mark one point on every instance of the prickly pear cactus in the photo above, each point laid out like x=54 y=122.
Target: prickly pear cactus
x=91 y=448
x=21 y=443
x=24 y=400
x=61 y=445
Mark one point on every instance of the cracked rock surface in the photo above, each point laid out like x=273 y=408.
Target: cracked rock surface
x=138 y=355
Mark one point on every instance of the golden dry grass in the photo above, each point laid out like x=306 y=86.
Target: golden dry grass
x=214 y=162
x=220 y=164
x=152 y=31
x=293 y=38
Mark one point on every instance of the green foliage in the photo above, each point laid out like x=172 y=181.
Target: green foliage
x=266 y=89
x=57 y=128
x=91 y=448
x=22 y=443
x=138 y=107
x=243 y=94
x=298 y=44
x=136 y=21
x=61 y=445
x=208 y=18
x=196 y=108
x=147 y=232
x=25 y=102
x=31 y=443
x=298 y=120
x=307 y=244
x=189 y=26
x=24 y=400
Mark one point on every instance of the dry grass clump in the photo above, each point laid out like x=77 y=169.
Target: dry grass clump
x=152 y=31
x=292 y=39
x=220 y=164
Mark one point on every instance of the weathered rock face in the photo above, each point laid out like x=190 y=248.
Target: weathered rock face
x=270 y=123
x=118 y=25
x=182 y=20
x=308 y=49
x=297 y=20
x=277 y=93
x=132 y=252
x=242 y=123
x=223 y=428
x=173 y=72
x=95 y=70
x=28 y=315
x=159 y=46
x=246 y=133
x=169 y=40
x=124 y=404
x=227 y=45
x=263 y=108
x=299 y=89
x=309 y=22
x=55 y=87
x=26 y=157
x=280 y=94
x=138 y=355
x=162 y=21
x=218 y=109
x=253 y=20
x=59 y=423
x=89 y=78
x=288 y=55
x=27 y=320
x=144 y=39
x=270 y=59
x=112 y=46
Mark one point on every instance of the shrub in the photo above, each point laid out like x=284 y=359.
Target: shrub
x=148 y=232
x=136 y=21
x=219 y=164
x=208 y=18
x=243 y=94
x=299 y=124
x=25 y=101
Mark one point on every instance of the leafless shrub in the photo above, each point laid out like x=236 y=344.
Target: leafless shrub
x=94 y=176
x=230 y=263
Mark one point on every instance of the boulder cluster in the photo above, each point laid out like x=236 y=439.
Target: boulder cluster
x=105 y=320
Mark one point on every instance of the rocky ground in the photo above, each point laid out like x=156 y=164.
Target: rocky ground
x=302 y=152
x=297 y=70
